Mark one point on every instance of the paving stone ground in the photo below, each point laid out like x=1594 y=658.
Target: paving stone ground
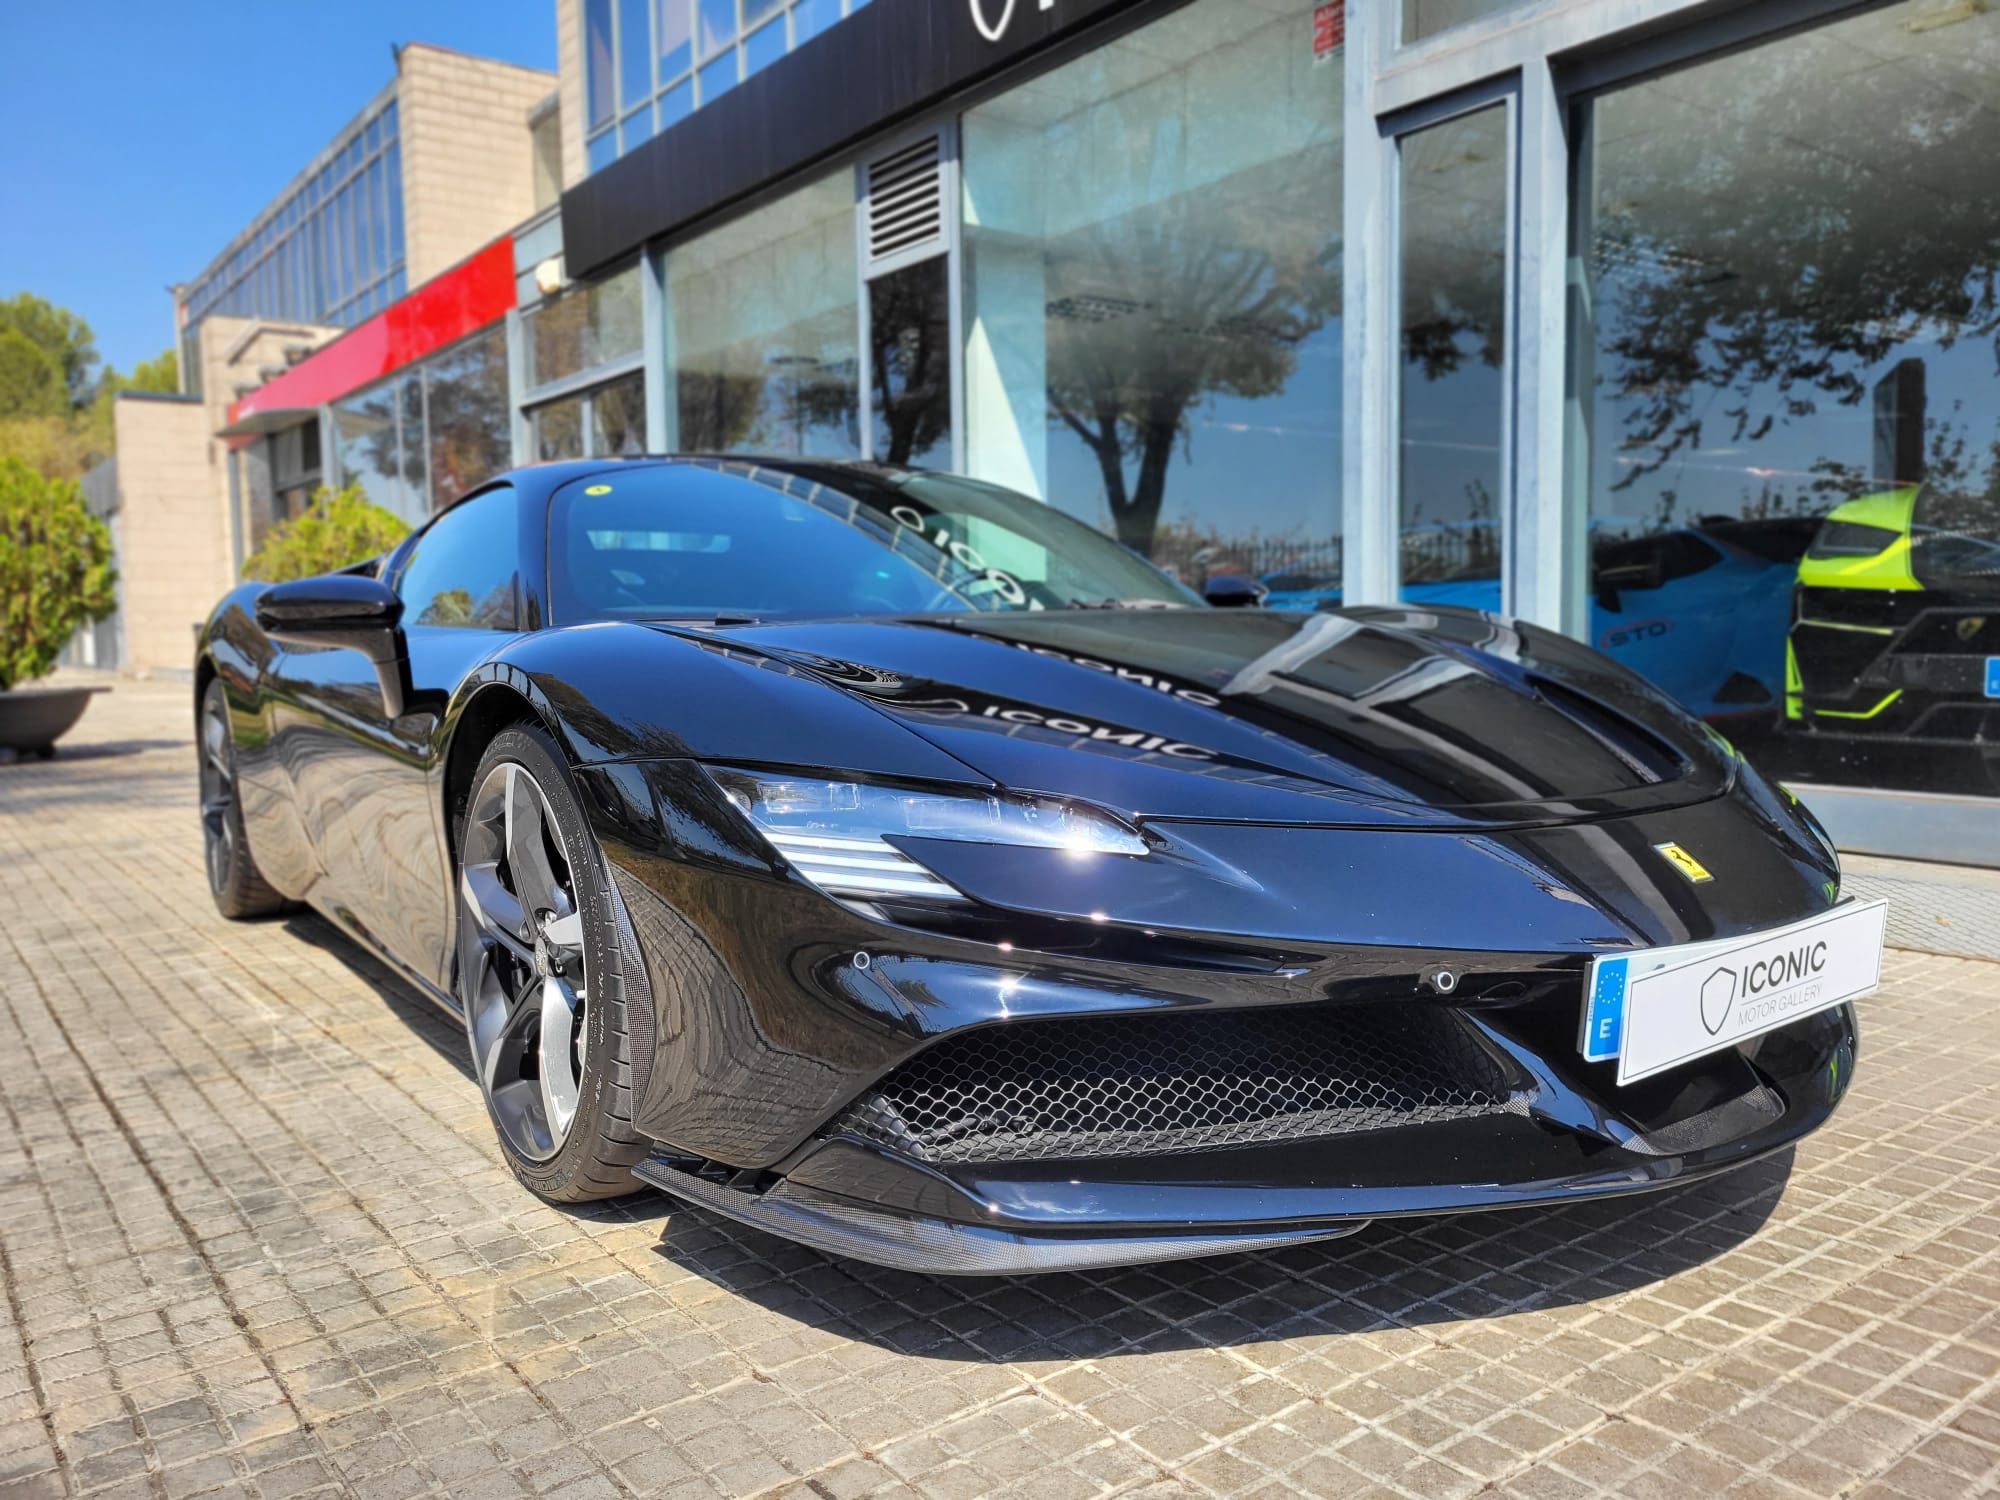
x=256 y=1239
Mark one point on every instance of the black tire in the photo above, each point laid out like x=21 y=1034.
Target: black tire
x=238 y=886
x=597 y=1148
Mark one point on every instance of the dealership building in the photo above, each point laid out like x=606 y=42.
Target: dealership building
x=1670 y=325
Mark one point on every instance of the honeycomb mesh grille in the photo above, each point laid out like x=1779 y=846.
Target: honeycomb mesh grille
x=1127 y=1086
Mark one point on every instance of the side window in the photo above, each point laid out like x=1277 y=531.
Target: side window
x=461 y=571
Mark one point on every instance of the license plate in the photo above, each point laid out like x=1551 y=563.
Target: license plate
x=1666 y=1006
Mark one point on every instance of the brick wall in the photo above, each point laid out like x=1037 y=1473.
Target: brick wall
x=177 y=538
x=569 y=68
x=468 y=160
x=171 y=568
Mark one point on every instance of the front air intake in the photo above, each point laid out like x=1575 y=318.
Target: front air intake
x=1128 y=1086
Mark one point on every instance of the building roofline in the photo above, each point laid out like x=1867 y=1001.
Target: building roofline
x=257 y=327
x=172 y=397
x=298 y=179
x=495 y=62
x=326 y=153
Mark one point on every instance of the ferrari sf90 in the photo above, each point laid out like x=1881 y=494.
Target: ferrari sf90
x=891 y=862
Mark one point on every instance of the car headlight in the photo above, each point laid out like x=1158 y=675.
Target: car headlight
x=836 y=833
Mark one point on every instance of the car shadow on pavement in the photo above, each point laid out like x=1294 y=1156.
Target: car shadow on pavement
x=1411 y=1273
x=444 y=1034
x=88 y=750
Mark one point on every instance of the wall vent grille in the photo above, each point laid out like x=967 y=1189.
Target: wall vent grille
x=906 y=208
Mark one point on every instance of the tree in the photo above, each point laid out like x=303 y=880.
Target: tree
x=910 y=347
x=161 y=373
x=55 y=570
x=53 y=416
x=31 y=383
x=1215 y=319
x=96 y=426
x=337 y=530
x=58 y=333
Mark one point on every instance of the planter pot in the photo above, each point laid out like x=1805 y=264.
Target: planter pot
x=33 y=719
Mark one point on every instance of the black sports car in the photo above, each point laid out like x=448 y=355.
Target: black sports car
x=891 y=862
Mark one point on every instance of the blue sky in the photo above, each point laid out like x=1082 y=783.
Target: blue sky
x=128 y=159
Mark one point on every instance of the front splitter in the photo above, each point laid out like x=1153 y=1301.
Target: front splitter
x=940 y=1247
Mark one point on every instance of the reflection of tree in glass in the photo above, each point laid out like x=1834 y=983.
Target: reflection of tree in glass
x=455 y=607
x=1147 y=319
x=368 y=427
x=910 y=340
x=416 y=462
x=618 y=412
x=788 y=404
x=717 y=410
x=1764 y=241
x=1962 y=481
x=1449 y=551
x=470 y=440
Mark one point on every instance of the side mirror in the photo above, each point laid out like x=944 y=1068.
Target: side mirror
x=1233 y=591
x=1609 y=582
x=347 y=611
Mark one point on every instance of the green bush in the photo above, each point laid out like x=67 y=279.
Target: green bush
x=339 y=529
x=55 y=570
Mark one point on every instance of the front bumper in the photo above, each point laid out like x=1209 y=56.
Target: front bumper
x=788 y=1081
x=1558 y=1140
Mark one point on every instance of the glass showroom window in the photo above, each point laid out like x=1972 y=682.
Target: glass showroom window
x=762 y=329
x=417 y=442
x=592 y=336
x=290 y=479
x=909 y=353
x=606 y=421
x=1451 y=184
x=466 y=392
x=368 y=441
x=1153 y=244
x=1789 y=425
x=585 y=328
x=558 y=427
x=648 y=63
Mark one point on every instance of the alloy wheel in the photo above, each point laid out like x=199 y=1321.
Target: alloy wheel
x=523 y=979
x=218 y=792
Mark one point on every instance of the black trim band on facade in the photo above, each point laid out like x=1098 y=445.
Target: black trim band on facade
x=886 y=61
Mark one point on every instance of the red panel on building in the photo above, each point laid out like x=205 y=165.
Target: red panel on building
x=469 y=296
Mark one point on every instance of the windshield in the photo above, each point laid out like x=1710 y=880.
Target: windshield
x=703 y=538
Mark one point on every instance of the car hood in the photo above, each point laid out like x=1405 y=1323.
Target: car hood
x=1395 y=717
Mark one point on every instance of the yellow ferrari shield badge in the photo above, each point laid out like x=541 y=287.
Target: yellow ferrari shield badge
x=1685 y=862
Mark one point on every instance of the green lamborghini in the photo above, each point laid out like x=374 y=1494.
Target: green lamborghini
x=1894 y=652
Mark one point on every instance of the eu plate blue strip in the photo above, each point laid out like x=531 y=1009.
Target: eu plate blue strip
x=1606 y=1019
x=1993 y=676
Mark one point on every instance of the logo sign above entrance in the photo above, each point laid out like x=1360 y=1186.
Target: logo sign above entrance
x=887 y=61
x=995 y=31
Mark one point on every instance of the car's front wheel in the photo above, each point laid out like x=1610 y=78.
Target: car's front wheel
x=541 y=976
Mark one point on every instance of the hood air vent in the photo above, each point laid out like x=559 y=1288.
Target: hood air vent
x=1649 y=758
